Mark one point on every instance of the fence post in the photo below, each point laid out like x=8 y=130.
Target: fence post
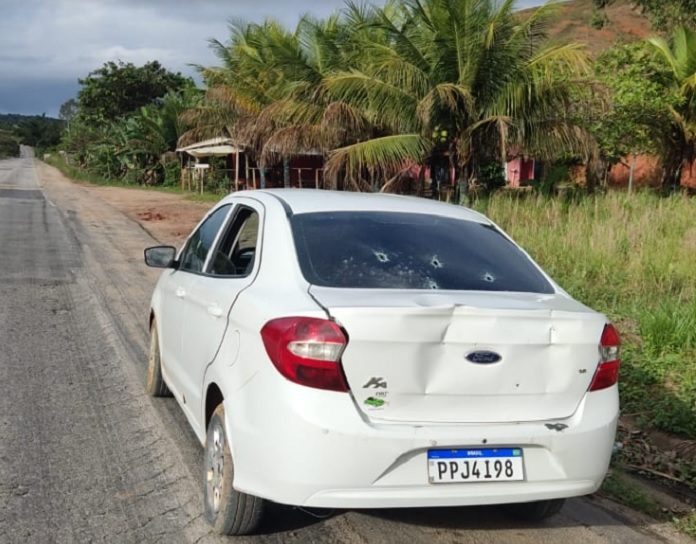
x=286 y=173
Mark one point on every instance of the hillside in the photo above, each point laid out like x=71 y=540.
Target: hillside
x=625 y=24
x=37 y=131
x=9 y=120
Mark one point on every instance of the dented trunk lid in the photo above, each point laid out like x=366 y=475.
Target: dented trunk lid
x=422 y=357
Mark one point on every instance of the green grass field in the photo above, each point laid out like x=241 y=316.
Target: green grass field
x=632 y=257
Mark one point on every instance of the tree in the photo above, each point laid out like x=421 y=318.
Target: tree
x=679 y=59
x=599 y=14
x=39 y=131
x=152 y=132
x=117 y=89
x=669 y=14
x=9 y=147
x=267 y=94
x=68 y=110
x=135 y=147
x=381 y=89
x=640 y=104
x=471 y=73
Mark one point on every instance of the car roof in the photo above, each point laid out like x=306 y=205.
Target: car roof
x=301 y=201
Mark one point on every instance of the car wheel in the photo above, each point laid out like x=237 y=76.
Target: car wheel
x=229 y=511
x=534 y=511
x=155 y=382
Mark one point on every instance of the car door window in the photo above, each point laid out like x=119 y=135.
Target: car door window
x=198 y=246
x=236 y=252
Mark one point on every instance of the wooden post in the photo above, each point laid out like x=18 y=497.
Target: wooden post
x=236 y=170
x=246 y=171
x=286 y=173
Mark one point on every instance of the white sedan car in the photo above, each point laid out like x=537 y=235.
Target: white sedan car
x=345 y=350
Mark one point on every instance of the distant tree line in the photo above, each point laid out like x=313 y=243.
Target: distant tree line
x=9 y=146
x=37 y=131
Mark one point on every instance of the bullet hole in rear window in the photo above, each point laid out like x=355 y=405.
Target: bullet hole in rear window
x=436 y=262
x=382 y=257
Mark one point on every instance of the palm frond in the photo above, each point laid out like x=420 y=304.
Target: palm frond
x=660 y=45
x=395 y=106
x=342 y=118
x=380 y=157
x=452 y=98
x=293 y=141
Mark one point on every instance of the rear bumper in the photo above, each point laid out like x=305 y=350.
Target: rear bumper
x=312 y=448
x=448 y=495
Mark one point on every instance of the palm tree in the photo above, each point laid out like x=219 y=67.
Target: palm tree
x=380 y=89
x=470 y=78
x=267 y=94
x=307 y=117
x=235 y=91
x=679 y=144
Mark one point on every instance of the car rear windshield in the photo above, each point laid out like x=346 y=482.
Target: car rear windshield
x=386 y=250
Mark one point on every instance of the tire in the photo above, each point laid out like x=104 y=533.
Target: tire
x=534 y=511
x=229 y=511
x=155 y=385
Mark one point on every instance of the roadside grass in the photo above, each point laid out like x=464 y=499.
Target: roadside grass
x=624 y=489
x=656 y=501
x=632 y=257
x=620 y=488
x=687 y=524
x=205 y=197
x=81 y=175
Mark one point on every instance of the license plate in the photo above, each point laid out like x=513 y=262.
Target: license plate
x=480 y=465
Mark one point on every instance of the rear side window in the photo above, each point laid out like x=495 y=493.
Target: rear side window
x=201 y=241
x=384 y=250
x=236 y=252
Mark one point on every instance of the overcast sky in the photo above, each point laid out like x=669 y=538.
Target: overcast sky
x=46 y=45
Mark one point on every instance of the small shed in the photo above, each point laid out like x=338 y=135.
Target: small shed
x=213 y=147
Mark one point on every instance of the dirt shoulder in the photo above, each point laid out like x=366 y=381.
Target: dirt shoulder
x=168 y=218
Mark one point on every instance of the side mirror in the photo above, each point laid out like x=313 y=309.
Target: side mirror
x=160 y=256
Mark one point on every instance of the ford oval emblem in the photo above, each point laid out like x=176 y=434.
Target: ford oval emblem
x=484 y=357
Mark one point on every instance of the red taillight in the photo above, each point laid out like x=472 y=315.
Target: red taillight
x=307 y=351
x=607 y=373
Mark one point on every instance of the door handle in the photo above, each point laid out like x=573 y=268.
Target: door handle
x=180 y=292
x=215 y=311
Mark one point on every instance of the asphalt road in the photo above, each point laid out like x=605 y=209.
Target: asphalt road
x=86 y=456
